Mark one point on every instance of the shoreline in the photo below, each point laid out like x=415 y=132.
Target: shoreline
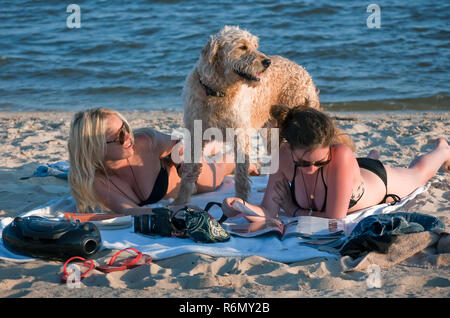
x=180 y=110
x=30 y=139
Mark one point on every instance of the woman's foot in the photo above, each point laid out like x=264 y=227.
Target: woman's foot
x=442 y=143
x=441 y=146
x=373 y=154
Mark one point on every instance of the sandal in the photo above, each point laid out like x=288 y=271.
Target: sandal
x=74 y=275
x=127 y=263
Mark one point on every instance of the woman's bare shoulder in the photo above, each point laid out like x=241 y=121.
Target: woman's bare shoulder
x=343 y=158
x=342 y=152
x=144 y=140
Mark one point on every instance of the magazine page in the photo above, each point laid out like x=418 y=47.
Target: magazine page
x=315 y=226
x=252 y=229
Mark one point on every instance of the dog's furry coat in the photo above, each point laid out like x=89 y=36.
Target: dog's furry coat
x=234 y=85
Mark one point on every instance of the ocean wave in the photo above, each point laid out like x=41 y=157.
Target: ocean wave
x=98 y=48
x=438 y=102
x=326 y=10
x=148 y=31
x=67 y=71
x=127 y=90
x=136 y=50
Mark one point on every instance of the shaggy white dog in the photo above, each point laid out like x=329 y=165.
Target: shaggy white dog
x=233 y=85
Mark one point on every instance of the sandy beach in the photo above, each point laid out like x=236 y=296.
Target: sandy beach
x=30 y=139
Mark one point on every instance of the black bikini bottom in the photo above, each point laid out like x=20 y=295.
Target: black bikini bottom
x=377 y=167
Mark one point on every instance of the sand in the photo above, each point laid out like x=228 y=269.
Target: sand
x=29 y=139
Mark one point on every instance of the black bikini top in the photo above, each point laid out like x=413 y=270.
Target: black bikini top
x=159 y=188
x=294 y=199
x=351 y=204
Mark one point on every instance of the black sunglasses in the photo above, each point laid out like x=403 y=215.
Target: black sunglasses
x=120 y=135
x=304 y=163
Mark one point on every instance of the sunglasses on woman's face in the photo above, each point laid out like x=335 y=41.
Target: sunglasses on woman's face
x=304 y=163
x=120 y=135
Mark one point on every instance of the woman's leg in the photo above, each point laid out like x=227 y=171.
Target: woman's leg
x=403 y=181
x=212 y=174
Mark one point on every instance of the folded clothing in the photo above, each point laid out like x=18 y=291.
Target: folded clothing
x=378 y=232
x=59 y=169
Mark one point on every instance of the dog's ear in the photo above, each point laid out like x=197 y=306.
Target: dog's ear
x=210 y=50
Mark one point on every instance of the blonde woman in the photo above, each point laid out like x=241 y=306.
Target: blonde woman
x=114 y=169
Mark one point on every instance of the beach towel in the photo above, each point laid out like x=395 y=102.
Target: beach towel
x=118 y=233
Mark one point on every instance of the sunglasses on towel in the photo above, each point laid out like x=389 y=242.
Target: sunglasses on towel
x=120 y=135
x=304 y=163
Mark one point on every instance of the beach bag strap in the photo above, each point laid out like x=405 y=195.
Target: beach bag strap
x=209 y=205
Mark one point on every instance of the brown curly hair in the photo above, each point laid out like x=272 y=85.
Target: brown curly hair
x=304 y=127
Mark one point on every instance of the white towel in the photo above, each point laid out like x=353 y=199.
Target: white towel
x=118 y=233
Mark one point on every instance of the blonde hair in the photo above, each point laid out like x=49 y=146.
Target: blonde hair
x=87 y=149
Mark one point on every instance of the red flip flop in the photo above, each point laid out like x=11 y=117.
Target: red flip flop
x=127 y=263
x=82 y=275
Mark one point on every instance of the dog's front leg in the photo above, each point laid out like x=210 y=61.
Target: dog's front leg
x=186 y=188
x=241 y=179
x=190 y=157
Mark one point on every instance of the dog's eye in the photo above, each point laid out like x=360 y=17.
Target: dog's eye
x=244 y=48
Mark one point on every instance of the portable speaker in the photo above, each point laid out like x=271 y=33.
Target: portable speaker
x=48 y=238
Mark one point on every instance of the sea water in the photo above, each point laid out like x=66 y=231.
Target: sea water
x=136 y=54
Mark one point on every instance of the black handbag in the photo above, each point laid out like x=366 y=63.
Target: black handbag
x=48 y=238
x=197 y=225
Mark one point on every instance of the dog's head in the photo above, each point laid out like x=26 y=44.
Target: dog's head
x=234 y=53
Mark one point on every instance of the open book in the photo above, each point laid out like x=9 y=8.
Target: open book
x=301 y=226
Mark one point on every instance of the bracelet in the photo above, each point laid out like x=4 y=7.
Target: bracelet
x=295 y=211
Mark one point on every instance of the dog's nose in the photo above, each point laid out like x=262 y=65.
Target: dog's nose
x=266 y=62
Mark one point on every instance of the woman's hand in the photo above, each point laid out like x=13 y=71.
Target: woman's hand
x=234 y=206
x=283 y=196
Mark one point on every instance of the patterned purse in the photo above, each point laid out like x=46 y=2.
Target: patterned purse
x=203 y=228
x=197 y=225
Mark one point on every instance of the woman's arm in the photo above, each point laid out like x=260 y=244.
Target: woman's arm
x=341 y=174
x=158 y=142
x=273 y=201
x=243 y=207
